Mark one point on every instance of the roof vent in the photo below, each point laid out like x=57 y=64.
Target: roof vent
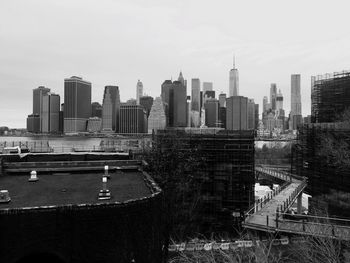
x=33 y=177
x=4 y=196
x=104 y=194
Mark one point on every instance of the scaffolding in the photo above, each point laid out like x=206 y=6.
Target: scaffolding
x=330 y=96
x=227 y=175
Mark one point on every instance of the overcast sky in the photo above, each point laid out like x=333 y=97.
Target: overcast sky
x=117 y=42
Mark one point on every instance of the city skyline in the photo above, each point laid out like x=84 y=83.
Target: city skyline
x=38 y=54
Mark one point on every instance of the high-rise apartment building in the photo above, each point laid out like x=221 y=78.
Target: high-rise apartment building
x=273 y=95
x=139 y=91
x=110 y=109
x=237 y=113
x=77 y=104
x=234 y=81
x=50 y=113
x=195 y=94
x=133 y=119
x=157 y=118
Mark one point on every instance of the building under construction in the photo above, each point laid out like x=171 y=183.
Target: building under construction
x=226 y=174
x=330 y=96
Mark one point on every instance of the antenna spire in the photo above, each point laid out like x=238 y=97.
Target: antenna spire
x=234 y=66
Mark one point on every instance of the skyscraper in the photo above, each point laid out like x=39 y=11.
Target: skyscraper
x=234 y=81
x=168 y=100
x=77 y=104
x=273 y=94
x=237 y=113
x=110 y=109
x=195 y=94
x=295 y=95
x=279 y=103
x=207 y=86
x=146 y=102
x=139 y=91
x=51 y=113
x=180 y=104
x=295 y=103
x=96 y=110
x=157 y=119
x=182 y=80
x=251 y=114
x=174 y=97
x=256 y=113
x=211 y=107
x=222 y=99
x=265 y=103
x=38 y=94
x=133 y=119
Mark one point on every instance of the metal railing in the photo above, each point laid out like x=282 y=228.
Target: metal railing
x=259 y=204
x=285 y=176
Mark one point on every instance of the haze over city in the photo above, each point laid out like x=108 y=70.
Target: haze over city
x=119 y=42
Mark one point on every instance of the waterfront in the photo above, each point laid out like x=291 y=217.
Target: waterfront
x=74 y=143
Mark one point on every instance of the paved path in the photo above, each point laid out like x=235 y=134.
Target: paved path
x=269 y=209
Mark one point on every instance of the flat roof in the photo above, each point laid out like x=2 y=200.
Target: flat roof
x=61 y=189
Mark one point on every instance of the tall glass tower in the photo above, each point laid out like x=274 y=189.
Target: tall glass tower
x=234 y=81
x=77 y=104
x=110 y=109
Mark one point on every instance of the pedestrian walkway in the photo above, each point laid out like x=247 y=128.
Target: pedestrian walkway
x=269 y=213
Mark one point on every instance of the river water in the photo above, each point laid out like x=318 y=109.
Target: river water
x=60 y=144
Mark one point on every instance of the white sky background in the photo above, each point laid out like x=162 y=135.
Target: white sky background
x=117 y=42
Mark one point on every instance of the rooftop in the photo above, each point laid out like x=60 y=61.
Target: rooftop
x=61 y=189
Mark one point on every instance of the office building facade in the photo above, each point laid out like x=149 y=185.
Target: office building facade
x=273 y=95
x=133 y=119
x=77 y=104
x=251 y=114
x=195 y=94
x=50 y=113
x=157 y=118
x=237 y=113
x=110 y=109
x=38 y=94
x=146 y=102
x=174 y=97
x=211 y=107
x=96 y=110
x=295 y=103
